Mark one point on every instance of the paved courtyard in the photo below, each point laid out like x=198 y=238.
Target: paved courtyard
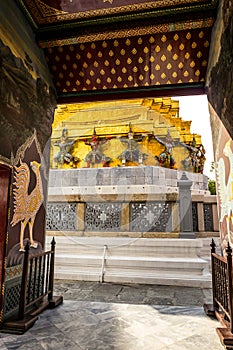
x=108 y=316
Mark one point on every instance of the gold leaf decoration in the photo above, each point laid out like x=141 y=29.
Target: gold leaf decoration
x=181 y=47
x=204 y=63
x=174 y=74
x=82 y=47
x=58 y=84
x=180 y=65
x=190 y=80
x=118 y=62
x=140 y=60
x=125 y=86
x=164 y=38
x=134 y=51
x=168 y=82
x=197 y=73
x=192 y=64
x=175 y=57
x=109 y=80
x=94 y=88
x=186 y=74
x=85 y=65
x=54 y=68
x=98 y=81
x=100 y=54
x=146 y=50
x=180 y=81
x=187 y=55
x=141 y=77
x=115 y=43
x=78 y=56
x=104 y=44
x=105 y=87
x=157 y=83
x=96 y=64
x=169 y=66
x=152 y=76
x=206 y=43
x=194 y=45
x=129 y=61
x=93 y=46
x=169 y=47
x=176 y=37
x=128 y=42
x=163 y=76
x=140 y=41
x=157 y=67
x=135 y=69
x=188 y=36
x=146 y=68
x=152 y=59
x=122 y=52
x=201 y=34
x=199 y=54
x=157 y=49
x=74 y=66
x=119 y=79
x=163 y=58
x=89 y=55
x=114 y=86
x=111 y=53
x=130 y=78
x=113 y=71
x=124 y=70
x=102 y=72
x=81 y=74
x=71 y=75
x=106 y=63
x=67 y=83
x=92 y=73
x=71 y=48
x=151 y=40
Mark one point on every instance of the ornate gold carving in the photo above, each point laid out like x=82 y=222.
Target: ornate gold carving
x=26 y=205
x=159 y=28
x=48 y=11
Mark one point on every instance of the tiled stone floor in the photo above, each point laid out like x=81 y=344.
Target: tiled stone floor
x=121 y=317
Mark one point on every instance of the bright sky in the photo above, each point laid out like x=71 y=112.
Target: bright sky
x=195 y=108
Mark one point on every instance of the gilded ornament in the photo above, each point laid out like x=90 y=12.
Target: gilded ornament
x=206 y=43
x=119 y=79
x=93 y=46
x=81 y=74
x=188 y=36
x=163 y=58
x=134 y=51
x=85 y=65
x=176 y=37
x=111 y=53
x=96 y=64
x=201 y=34
x=118 y=62
x=152 y=76
x=106 y=63
x=140 y=60
x=125 y=86
x=82 y=47
x=140 y=41
x=122 y=52
x=194 y=45
x=164 y=38
x=124 y=70
x=186 y=74
x=157 y=49
x=192 y=64
x=109 y=80
x=130 y=78
x=204 y=63
x=67 y=57
x=100 y=54
x=102 y=72
x=151 y=40
x=64 y=67
x=71 y=75
x=129 y=61
x=98 y=81
x=174 y=75
x=141 y=77
x=152 y=59
x=135 y=69
x=113 y=71
x=146 y=50
x=190 y=80
x=146 y=68
x=92 y=73
x=169 y=66
x=104 y=44
x=115 y=43
x=169 y=47
x=197 y=73
x=163 y=76
x=67 y=83
x=74 y=66
x=187 y=55
x=180 y=65
x=175 y=57
x=61 y=75
x=128 y=42
x=78 y=56
x=181 y=47
x=54 y=68
x=157 y=67
x=71 y=48
x=199 y=54
x=89 y=55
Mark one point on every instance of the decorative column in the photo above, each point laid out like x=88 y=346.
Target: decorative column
x=186 y=219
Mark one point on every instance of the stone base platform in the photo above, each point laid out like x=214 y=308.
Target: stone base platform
x=132 y=260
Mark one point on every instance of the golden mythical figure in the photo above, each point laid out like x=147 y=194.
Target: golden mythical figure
x=26 y=205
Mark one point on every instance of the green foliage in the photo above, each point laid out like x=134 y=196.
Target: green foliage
x=212 y=187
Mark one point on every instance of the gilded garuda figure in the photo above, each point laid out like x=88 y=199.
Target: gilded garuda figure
x=26 y=205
